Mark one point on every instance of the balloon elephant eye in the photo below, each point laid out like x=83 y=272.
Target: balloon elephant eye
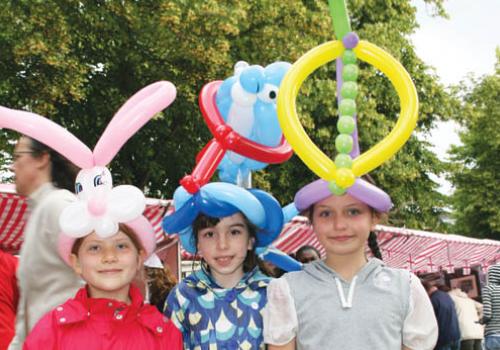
x=78 y=187
x=97 y=181
x=269 y=93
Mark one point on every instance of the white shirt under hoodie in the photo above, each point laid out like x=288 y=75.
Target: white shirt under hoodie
x=45 y=280
x=381 y=308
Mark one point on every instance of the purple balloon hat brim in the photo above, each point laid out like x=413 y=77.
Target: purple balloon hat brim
x=362 y=190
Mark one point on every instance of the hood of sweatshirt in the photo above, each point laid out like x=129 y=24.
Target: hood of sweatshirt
x=203 y=281
x=323 y=272
x=494 y=275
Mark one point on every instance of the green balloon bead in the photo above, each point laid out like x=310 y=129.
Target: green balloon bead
x=346 y=124
x=336 y=190
x=349 y=57
x=343 y=143
x=349 y=90
x=347 y=107
x=343 y=161
x=350 y=72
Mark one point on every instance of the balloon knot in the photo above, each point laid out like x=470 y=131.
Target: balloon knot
x=350 y=40
x=190 y=184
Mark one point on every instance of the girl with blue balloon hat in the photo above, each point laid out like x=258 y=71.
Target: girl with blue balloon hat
x=221 y=304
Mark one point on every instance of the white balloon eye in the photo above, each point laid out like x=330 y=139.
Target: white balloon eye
x=269 y=93
x=78 y=187
x=98 y=181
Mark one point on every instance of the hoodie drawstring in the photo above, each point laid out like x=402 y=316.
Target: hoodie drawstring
x=346 y=304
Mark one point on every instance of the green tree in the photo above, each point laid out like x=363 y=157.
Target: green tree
x=76 y=62
x=476 y=173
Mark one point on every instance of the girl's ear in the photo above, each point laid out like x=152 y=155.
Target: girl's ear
x=75 y=264
x=376 y=218
x=251 y=242
x=141 y=257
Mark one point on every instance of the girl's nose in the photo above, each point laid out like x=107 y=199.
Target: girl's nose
x=222 y=242
x=339 y=222
x=109 y=255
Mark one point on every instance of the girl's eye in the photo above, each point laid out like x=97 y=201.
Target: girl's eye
x=122 y=246
x=235 y=232
x=208 y=234
x=353 y=212
x=324 y=213
x=93 y=248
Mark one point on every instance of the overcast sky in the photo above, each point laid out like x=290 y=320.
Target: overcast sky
x=463 y=44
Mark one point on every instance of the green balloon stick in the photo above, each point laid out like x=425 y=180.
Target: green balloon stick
x=341 y=24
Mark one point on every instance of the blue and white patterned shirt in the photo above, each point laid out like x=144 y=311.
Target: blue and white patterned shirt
x=211 y=317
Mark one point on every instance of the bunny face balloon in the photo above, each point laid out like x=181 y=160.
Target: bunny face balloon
x=90 y=181
x=247 y=102
x=100 y=207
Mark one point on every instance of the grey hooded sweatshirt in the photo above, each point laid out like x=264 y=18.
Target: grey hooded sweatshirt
x=367 y=313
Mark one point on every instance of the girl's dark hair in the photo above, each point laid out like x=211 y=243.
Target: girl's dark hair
x=203 y=221
x=373 y=245
x=63 y=172
x=372 y=237
x=121 y=227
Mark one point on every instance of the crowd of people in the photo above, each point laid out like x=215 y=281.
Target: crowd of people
x=112 y=292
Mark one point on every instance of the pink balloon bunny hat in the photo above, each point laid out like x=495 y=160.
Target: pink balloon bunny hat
x=100 y=207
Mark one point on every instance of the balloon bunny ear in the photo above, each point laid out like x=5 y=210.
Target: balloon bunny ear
x=49 y=133
x=139 y=109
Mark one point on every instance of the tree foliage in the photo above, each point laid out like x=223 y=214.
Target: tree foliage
x=476 y=173
x=76 y=62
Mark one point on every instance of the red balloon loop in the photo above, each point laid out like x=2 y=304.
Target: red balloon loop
x=241 y=144
x=225 y=138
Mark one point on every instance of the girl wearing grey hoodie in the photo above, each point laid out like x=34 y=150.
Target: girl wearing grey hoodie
x=346 y=301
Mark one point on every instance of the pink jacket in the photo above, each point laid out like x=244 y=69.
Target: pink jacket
x=85 y=323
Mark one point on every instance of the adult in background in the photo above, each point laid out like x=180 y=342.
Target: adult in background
x=491 y=310
x=307 y=253
x=446 y=315
x=468 y=311
x=45 y=281
x=9 y=296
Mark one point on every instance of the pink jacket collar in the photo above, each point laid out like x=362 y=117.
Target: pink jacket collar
x=82 y=308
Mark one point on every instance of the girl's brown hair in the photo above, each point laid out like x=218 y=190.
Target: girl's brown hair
x=121 y=227
x=203 y=221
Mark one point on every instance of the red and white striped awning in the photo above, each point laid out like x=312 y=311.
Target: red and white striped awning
x=415 y=250
x=418 y=251
x=13 y=214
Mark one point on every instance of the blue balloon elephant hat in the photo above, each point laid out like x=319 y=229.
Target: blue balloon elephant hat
x=220 y=199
